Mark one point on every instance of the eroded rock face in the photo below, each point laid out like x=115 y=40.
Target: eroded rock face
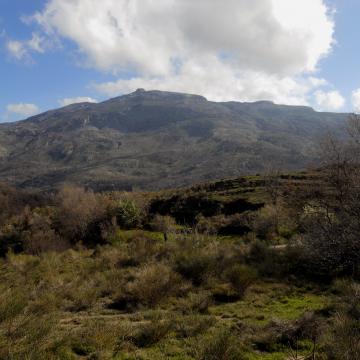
x=154 y=139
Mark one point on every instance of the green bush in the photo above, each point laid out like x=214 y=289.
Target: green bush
x=128 y=215
x=240 y=277
x=195 y=266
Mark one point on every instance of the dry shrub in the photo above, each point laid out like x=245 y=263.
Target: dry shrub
x=344 y=342
x=221 y=345
x=99 y=339
x=82 y=295
x=266 y=223
x=77 y=209
x=21 y=329
x=149 y=333
x=41 y=237
x=141 y=248
x=282 y=333
x=195 y=303
x=344 y=339
x=193 y=325
x=154 y=283
x=164 y=224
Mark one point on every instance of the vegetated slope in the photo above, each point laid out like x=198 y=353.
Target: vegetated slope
x=151 y=288
x=154 y=139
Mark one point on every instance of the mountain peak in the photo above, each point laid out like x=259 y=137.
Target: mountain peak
x=158 y=95
x=153 y=139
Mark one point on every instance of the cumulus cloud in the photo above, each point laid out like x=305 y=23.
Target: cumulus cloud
x=76 y=100
x=330 y=100
x=224 y=49
x=355 y=97
x=221 y=84
x=23 y=109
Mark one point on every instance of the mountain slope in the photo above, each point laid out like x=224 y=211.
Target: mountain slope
x=154 y=139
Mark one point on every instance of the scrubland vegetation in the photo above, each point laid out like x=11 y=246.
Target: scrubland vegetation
x=261 y=267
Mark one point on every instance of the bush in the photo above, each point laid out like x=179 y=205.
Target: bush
x=344 y=343
x=281 y=333
x=80 y=214
x=154 y=283
x=195 y=303
x=344 y=339
x=221 y=345
x=11 y=240
x=150 y=333
x=240 y=277
x=164 y=224
x=128 y=215
x=193 y=325
x=195 y=267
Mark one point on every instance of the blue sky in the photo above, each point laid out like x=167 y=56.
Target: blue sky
x=92 y=60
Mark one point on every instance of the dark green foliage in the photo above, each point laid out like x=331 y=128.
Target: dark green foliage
x=11 y=240
x=194 y=266
x=240 y=277
x=127 y=214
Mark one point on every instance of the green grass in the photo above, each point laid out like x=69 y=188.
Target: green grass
x=128 y=235
x=270 y=301
x=263 y=356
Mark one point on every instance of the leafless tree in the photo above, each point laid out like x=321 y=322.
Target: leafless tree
x=332 y=213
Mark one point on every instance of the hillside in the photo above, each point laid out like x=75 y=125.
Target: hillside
x=217 y=271
x=154 y=139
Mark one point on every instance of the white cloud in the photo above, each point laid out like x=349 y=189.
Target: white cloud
x=23 y=109
x=355 y=97
x=76 y=100
x=21 y=50
x=16 y=49
x=330 y=100
x=36 y=43
x=221 y=85
x=224 y=49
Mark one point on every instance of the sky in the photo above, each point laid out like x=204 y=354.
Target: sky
x=297 y=52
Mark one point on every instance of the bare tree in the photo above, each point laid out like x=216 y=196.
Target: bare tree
x=332 y=213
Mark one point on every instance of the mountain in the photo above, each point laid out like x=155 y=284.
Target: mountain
x=155 y=139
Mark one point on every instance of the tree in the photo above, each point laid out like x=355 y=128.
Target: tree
x=331 y=206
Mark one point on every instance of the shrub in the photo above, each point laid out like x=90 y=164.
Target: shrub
x=99 y=339
x=221 y=345
x=240 y=277
x=154 y=283
x=128 y=215
x=281 y=333
x=344 y=339
x=344 y=342
x=164 y=224
x=195 y=302
x=11 y=239
x=193 y=325
x=78 y=214
x=151 y=332
x=266 y=223
x=194 y=266
x=82 y=296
